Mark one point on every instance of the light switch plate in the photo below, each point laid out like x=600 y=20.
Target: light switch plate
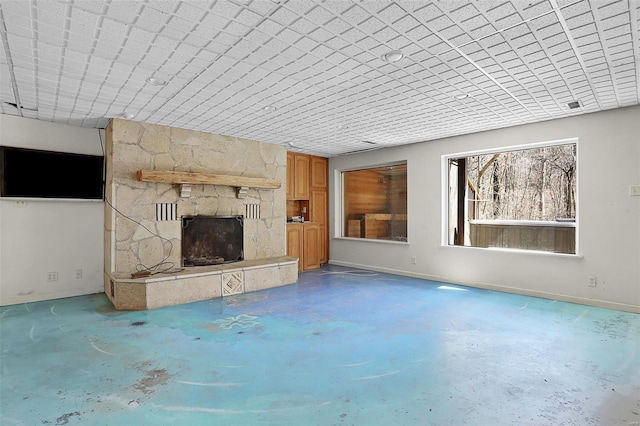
x=634 y=190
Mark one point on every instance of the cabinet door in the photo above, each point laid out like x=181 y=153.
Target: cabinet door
x=295 y=244
x=319 y=214
x=311 y=258
x=290 y=176
x=319 y=172
x=323 y=244
x=301 y=179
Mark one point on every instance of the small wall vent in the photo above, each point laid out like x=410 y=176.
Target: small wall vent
x=252 y=211
x=166 y=211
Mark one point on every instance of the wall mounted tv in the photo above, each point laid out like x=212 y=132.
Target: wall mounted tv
x=32 y=173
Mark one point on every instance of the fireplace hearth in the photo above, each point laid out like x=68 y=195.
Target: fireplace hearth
x=212 y=240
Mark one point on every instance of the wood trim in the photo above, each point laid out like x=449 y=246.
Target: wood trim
x=462 y=195
x=206 y=179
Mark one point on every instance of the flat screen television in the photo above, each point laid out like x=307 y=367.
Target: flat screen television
x=32 y=173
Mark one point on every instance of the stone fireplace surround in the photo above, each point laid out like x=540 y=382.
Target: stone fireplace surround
x=135 y=239
x=200 y=283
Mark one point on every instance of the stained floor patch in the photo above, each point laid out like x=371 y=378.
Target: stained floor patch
x=152 y=379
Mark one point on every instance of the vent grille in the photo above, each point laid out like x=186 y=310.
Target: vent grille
x=166 y=211
x=252 y=211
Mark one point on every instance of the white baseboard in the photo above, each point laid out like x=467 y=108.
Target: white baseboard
x=41 y=297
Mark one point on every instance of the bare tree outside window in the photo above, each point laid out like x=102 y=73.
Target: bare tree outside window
x=533 y=184
x=522 y=199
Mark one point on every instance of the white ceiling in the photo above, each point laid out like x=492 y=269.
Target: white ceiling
x=82 y=62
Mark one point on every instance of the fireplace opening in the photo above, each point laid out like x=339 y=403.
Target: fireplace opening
x=212 y=240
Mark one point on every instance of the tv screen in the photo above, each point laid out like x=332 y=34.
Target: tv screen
x=32 y=173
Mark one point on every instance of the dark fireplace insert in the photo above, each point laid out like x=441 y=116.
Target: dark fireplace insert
x=212 y=240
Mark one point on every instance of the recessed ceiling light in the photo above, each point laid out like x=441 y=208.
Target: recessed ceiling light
x=269 y=108
x=393 y=56
x=461 y=96
x=156 y=81
x=127 y=115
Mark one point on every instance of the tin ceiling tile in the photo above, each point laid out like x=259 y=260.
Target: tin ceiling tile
x=320 y=63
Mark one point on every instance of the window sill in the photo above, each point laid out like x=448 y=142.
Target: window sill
x=556 y=224
x=372 y=240
x=514 y=251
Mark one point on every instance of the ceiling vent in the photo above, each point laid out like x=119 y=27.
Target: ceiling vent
x=374 y=147
x=574 y=105
x=15 y=105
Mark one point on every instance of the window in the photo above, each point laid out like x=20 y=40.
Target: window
x=522 y=198
x=375 y=202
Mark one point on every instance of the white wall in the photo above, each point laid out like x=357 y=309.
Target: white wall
x=42 y=236
x=608 y=218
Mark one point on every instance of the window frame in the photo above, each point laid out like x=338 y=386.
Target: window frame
x=340 y=230
x=444 y=168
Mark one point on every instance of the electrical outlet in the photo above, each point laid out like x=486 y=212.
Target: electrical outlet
x=592 y=281
x=413 y=260
x=20 y=204
x=52 y=276
x=78 y=274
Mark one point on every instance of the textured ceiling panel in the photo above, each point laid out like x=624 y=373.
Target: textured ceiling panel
x=319 y=65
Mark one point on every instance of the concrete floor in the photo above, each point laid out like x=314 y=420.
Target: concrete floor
x=340 y=347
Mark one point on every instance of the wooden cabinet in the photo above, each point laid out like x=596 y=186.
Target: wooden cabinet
x=297 y=176
x=311 y=237
x=308 y=191
x=319 y=206
x=295 y=243
x=319 y=203
x=303 y=243
x=319 y=174
x=301 y=182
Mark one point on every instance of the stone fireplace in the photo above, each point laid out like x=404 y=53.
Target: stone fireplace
x=139 y=236
x=212 y=240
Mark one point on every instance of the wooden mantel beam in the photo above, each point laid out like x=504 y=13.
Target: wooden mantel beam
x=206 y=179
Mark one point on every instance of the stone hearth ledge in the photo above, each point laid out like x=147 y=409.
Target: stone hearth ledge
x=192 y=284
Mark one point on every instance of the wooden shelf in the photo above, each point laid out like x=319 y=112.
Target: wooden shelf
x=384 y=216
x=373 y=225
x=206 y=179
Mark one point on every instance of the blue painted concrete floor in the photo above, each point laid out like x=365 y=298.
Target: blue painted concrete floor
x=340 y=347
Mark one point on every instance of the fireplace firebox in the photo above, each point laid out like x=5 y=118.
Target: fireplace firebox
x=212 y=240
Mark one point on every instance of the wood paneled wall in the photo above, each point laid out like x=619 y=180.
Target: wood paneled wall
x=365 y=192
x=397 y=185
